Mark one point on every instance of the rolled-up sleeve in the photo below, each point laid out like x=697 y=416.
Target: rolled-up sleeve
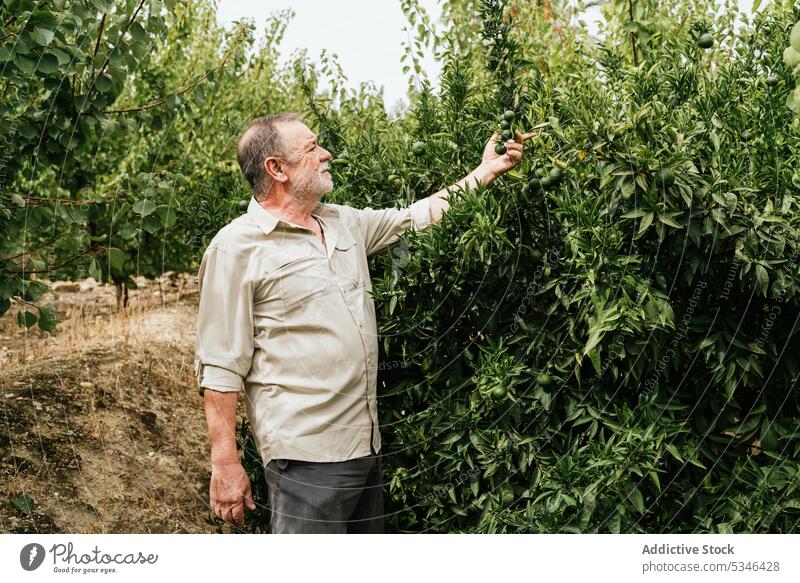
x=225 y=321
x=382 y=227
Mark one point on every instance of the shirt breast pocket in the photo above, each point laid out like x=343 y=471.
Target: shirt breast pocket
x=296 y=277
x=346 y=262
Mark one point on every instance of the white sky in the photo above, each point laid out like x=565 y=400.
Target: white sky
x=367 y=35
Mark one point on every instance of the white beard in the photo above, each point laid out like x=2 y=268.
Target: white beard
x=310 y=190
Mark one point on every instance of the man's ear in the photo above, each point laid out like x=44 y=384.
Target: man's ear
x=275 y=170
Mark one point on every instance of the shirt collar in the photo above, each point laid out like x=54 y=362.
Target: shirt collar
x=267 y=221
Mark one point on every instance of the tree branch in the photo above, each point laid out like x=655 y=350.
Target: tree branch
x=108 y=56
x=99 y=34
x=633 y=36
x=91 y=249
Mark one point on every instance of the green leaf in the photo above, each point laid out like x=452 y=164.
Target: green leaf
x=61 y=55
x=634 y=214
x=138 y=33
x=6 y=53
x=167 y=215
x=152 y=224
x=647 y=220
x=667 y=220
x=47 y=319
x=71 y=213
x=94 y=269
x=117 y=258
x=23 y=504
x=103 y=84
x=42 y=36
x=762 y=279
x=5 y=304
x=48 y=64
x=674 y=451
x=144 y=207
x=636 y=498
x=745 y=427
x=26 y=319
x=43 y=19
x=453 y=438
x=654 y=477
x=33 y=290
x=25 y=64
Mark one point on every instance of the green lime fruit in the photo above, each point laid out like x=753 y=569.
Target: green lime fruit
x=505 y=124
x=536 y=255
x=500 y=149
x=664 y=178
x=791 y=57
x=547 y=271
x=546 y=182
x=243 y=204
x=794 y=37
x=544 y=380
x=418 y=148
x=540 y=172
x=772 y=81
x=706 y=41
x=499 y=392
x=507 y=135
x=745 y=136
x=507 y=496
x=508 y=115
x=555 y=174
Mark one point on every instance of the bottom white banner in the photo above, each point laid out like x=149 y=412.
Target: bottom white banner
x=617 y=558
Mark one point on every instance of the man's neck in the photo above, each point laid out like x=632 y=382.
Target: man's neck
x=291 y=209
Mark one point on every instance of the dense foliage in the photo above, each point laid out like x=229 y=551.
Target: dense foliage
x=118 y=124
x=604 y=340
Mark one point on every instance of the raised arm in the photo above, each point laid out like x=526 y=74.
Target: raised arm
x=492 y=165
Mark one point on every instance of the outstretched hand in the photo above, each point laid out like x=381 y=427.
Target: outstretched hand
x=501 y=163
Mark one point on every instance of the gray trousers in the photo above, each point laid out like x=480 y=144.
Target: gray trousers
x=325 y=497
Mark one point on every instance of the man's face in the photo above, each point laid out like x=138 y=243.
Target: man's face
x=307 y=168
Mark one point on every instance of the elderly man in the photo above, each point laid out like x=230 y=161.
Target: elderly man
x=286 y=312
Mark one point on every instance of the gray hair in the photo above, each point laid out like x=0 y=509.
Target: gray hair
x=261 y=140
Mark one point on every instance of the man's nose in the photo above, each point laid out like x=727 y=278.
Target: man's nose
x=324 y=155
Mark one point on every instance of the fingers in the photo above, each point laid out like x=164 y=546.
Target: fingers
x=512 y=145
x=228 y=515
x=514 y=155
x=237 y=515
x=527 y=135
x=248 y=498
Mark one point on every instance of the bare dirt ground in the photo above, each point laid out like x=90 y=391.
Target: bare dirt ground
x=103 y=429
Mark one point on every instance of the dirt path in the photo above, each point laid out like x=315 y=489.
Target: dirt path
x=102 y=425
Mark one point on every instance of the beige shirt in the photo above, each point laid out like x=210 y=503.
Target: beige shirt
x=294 y=324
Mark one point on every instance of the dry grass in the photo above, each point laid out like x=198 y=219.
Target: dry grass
x=102 y=423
